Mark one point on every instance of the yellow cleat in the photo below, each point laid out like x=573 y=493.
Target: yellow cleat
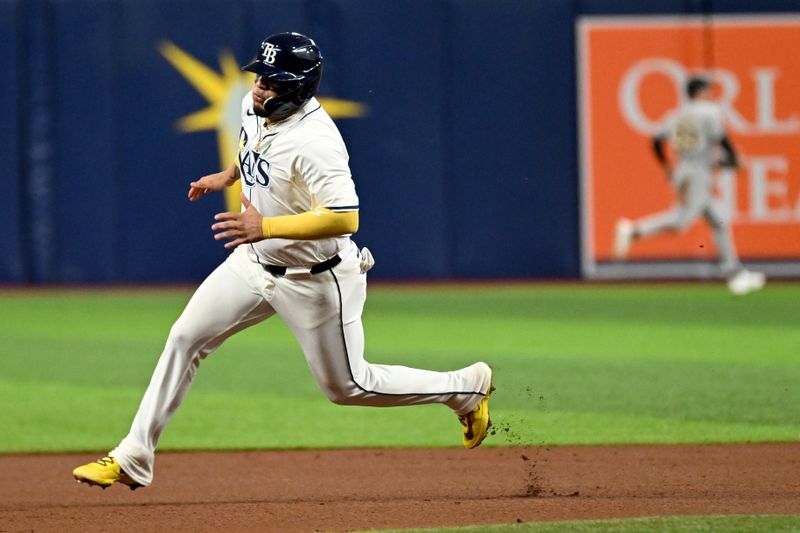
x=477 y=422
x=104 y=473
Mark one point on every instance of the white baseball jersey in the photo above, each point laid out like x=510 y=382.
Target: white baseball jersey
x=288 y=168
x=291 y=167
x=695 y=130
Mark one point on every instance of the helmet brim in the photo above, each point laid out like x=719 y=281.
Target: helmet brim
x=270 y=72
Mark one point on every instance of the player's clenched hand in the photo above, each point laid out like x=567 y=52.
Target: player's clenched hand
x=241 y=227
x=212 y=182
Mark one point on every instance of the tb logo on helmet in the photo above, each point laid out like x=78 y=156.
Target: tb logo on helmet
x=270 y=50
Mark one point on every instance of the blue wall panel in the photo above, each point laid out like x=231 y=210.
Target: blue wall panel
x=86 y=123
x=513 y=153
x=12 y=258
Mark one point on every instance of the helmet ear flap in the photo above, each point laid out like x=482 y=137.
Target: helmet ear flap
x=284 y=104
x=310 y=85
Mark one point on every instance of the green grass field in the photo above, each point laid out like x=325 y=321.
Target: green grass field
x=670 y=524
x=574 y=364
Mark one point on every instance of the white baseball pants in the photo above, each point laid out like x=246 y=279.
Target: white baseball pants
x=323 y=311
x=696 y=180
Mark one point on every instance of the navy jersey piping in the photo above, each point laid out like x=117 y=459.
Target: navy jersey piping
x=350 y=369
x=312 y=111
x=252 y=246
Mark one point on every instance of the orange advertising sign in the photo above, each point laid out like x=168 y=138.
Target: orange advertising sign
x=632 y=73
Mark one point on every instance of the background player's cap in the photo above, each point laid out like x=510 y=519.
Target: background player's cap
x=696 y=84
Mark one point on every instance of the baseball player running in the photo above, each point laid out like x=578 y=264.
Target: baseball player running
x=292 y=256
x=696 y=132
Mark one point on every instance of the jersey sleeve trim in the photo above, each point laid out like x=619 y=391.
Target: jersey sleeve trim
x=343 y=209
x=312 y=111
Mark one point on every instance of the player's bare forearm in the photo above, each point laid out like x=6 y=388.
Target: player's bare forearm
x=213 y=182
x=729 y=159
x=663 y=160
x=667 y=168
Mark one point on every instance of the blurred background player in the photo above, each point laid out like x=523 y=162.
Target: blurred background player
x=697 y=134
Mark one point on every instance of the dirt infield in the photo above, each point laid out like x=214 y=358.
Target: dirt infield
x=345 y=490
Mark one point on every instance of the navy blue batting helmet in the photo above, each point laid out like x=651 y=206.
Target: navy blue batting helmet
x=295 y=61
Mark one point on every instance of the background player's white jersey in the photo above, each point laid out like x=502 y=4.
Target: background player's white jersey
x=294 y=166
x=694 y=131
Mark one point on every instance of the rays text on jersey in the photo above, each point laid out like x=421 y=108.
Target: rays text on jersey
x=255 y=169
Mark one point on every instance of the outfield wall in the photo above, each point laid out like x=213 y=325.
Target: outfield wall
x=460 y=118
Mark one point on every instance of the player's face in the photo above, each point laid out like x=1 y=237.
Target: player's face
x=263 y=89
x=705 y=94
